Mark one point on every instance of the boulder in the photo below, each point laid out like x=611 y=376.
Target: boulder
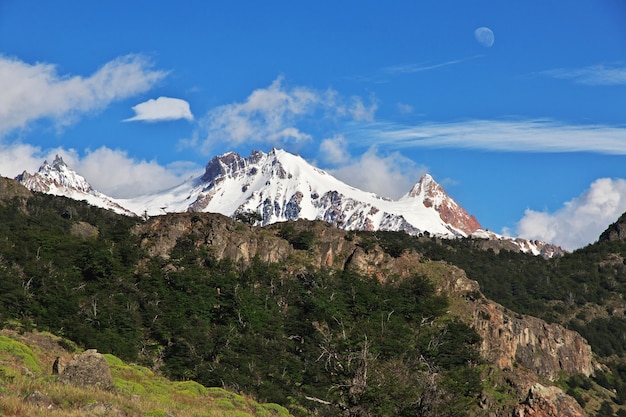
x=89 y=368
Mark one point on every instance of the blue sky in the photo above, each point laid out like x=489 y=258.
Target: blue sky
x=525 y=126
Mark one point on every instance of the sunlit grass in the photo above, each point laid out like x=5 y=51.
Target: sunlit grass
x=138 y=391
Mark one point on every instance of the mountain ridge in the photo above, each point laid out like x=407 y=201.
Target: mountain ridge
x=279 y=186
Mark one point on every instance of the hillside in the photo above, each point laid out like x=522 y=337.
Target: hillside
x=320 y=320
x=30 y=387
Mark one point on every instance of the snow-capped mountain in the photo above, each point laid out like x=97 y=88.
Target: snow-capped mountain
x=59 y=179
x=279 y=186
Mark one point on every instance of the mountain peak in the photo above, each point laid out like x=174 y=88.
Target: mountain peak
x=57 y=174
x=58 y=162
x=425 y=186
x=431 y=194
x=59 y=179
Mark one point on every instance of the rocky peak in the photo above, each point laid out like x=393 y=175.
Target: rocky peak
x=230 y=163
x=221 y=165
x=59 y=179
x=55 y=175
x=431 y=194
x=616 y=231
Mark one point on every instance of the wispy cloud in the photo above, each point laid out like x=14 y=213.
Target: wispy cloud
x=334 y=150
x=37 y=91
x=581 y=220
x=161 y=109
x=393 y=174
x=496 y=135
x=273 y=116
x=594 y=75
x=419 y=67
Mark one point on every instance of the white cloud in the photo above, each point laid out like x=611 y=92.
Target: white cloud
x=116 y=174
x=161 y=109
x=512 y=136
x=111 y=172
x=360 y=111
x=36 y=91
x=594 y=75
x=19 y=157
x=335 y=150
x=390 y=176
x=581 y=220
x=273 y=115
x=267 y=115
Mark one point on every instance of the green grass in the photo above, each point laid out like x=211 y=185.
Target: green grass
x=139 y=391
x=11 y=349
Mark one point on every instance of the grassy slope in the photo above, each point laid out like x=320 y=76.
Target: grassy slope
x=26 y=367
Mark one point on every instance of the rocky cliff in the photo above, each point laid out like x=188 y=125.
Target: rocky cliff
x=616 y=231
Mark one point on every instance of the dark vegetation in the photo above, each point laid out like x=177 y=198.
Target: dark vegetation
x=320 y=341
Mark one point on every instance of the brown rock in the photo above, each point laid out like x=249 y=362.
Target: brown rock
x=548 y=402
x=10 y=188
x=224 y=237
x=546 y=349
x=88 y=369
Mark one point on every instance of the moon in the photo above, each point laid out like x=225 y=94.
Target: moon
x=484 y=36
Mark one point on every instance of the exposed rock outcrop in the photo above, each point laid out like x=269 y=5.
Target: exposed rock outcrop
x=10 y=188
x=548 y=402
x=223 y=237
x=549 y=350
x=616 y=231
x=89 y=368
x=508 y=338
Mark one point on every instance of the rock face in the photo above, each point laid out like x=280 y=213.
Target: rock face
x=10 y=188
x=88 y=369
x=548 y=402
x=508 y=338
x=616 y=231
x=223 y=237
x=547 y=349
